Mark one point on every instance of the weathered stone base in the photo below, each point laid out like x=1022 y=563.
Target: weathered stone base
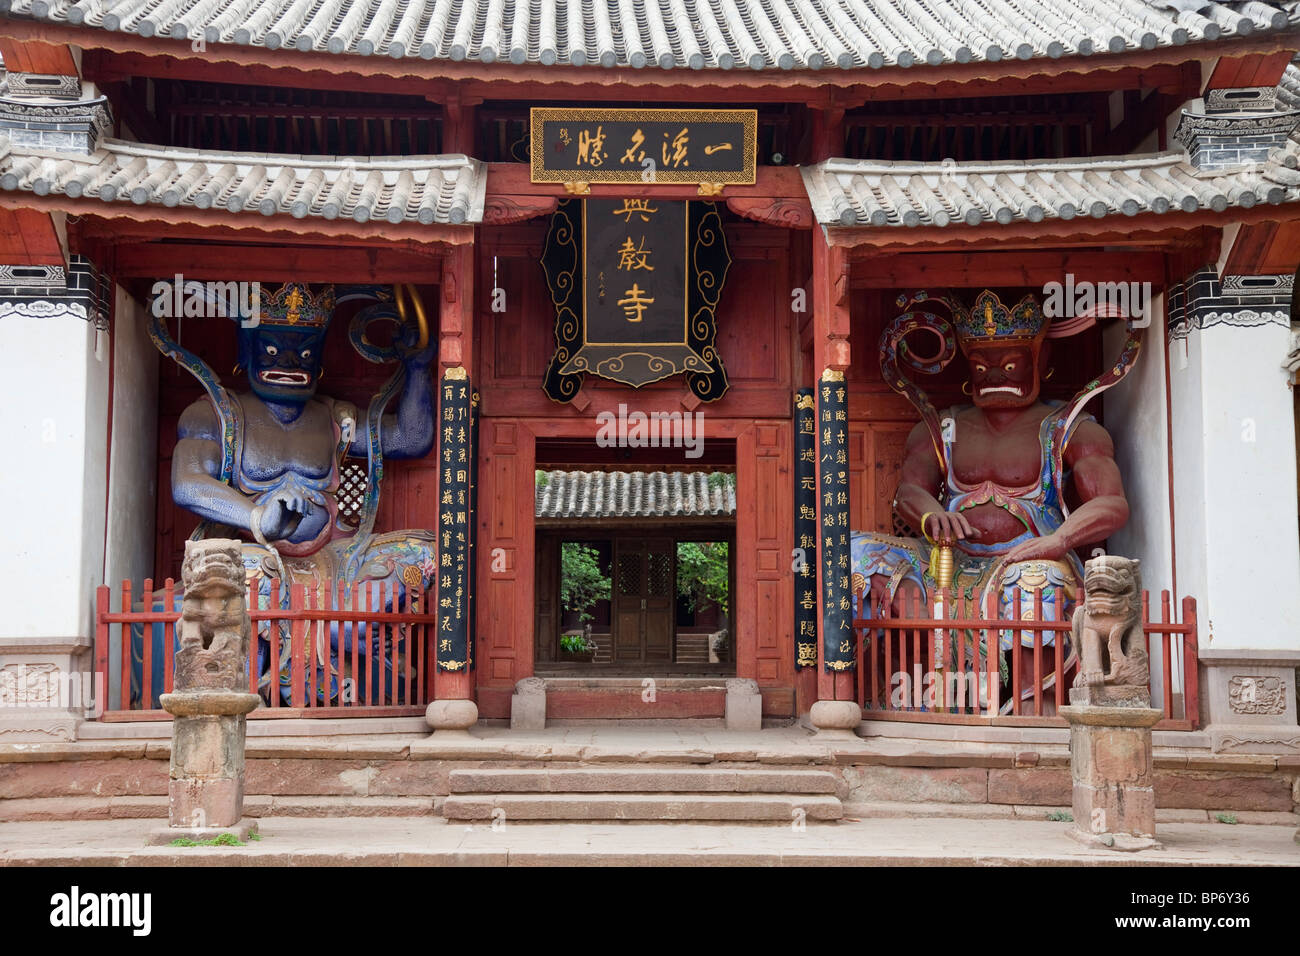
x=1113 y=793
x=206 y=785
x=452 y=718
x=1254 y=739
x=1115 y=841
x=528 y=705
x=1248 y=700
x=241 y=831
x=744 y=705
x=835 y=718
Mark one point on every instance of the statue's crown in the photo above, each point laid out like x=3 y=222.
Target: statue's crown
x=990 y=322
x=294 y=304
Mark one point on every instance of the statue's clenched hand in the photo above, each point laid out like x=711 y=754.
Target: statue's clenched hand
x=281 y=514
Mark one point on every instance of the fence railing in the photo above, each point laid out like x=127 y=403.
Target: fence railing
x=345 y=652
x=933 y=663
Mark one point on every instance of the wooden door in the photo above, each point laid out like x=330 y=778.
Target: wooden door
x=645 y=586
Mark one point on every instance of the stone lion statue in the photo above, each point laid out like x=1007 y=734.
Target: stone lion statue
x=1107 y=627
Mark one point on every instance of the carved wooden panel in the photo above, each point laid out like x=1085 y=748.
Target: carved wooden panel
x=763 y=608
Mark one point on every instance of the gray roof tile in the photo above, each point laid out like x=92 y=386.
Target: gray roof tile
x=851 y=192
x=694 y=34
x=416 y=189
x=635 y=494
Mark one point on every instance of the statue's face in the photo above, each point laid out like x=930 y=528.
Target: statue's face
x=1003 y=377
x=283 y=364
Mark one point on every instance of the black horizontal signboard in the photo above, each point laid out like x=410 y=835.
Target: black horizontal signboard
x=643 y=146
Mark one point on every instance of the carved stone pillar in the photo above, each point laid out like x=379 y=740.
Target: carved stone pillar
x=210 y=699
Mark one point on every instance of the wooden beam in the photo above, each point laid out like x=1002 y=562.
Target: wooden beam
x=514 y=179
x=1257 y=69
x=985 y=269
x=266 y=263
x=28 y=238
x=53 y=59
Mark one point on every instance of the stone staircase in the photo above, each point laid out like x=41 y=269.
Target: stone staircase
x=692 y=648
x=637 y=793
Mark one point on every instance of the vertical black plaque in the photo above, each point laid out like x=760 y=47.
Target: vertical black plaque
x=805 y=528
x=455 y=456
x=472 y=630
x=833 y=494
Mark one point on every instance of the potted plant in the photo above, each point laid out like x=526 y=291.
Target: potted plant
x=577 y=647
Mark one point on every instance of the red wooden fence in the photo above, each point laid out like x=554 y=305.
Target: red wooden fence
x=931 y=664
x=371 y=628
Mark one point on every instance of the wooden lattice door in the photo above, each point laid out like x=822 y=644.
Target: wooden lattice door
x=644 y=589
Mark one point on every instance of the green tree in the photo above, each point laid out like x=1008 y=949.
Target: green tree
x=581 y=582
x=703 y=574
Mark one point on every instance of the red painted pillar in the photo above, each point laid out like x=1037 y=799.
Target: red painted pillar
x=830 y=354
x=455 y=349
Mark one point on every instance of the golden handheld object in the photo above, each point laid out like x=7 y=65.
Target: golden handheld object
x=942 y=564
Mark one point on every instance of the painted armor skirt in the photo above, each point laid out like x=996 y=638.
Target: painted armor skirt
x=391 y=565
x=977 y=577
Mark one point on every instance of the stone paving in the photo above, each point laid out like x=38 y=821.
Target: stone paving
x=427 y=841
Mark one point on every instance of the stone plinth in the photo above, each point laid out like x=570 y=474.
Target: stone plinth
x=1248 y=700
x=1114 y=798
x=744 y=708
x=206 y=789
x=836 y=718
x=528 y=704
x=452 y=718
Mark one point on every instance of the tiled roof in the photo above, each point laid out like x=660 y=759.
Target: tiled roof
x=416 y=189
x=635 y=494
x=847 y=192
x=1288 y=88
x=699 y=34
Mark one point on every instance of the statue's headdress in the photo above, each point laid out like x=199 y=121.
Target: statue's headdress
x=990 y=322
x=294 y=305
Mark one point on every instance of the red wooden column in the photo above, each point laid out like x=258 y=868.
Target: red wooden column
x=456 y=340
x=455 y=325
x=830 y=352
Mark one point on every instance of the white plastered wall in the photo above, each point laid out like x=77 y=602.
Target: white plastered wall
x=1235 y=485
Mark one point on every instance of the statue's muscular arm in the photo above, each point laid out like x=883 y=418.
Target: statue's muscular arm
x=1104 y=510
x=409 y=433
x=196 y=470
x=918 y=489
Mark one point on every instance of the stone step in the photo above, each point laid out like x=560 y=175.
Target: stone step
x=642 y=780
x=255 y=805
x=782 y=807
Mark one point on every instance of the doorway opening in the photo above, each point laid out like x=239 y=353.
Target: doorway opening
x=638 y=578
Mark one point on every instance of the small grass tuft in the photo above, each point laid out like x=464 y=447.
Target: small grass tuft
x=1060 y=816
x=225 y=839
x=1229 y=818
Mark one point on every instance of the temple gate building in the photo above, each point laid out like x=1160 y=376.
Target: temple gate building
x=608 y=303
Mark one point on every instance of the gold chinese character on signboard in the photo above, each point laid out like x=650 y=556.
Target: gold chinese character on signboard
x=636 y=207
x=632 y=257
x=636 y=303
x=591 y=148
x=635 y=154
x=678 y=155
